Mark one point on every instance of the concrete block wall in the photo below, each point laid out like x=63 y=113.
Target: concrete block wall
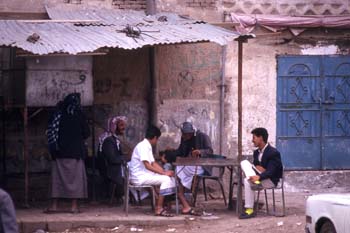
x=209 y=4
x=130 y=4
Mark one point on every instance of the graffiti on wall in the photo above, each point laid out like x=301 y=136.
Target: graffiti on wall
x=119 y=86
x=195 y=69
x=103 y=86
x=50 y=79
x=46 y=88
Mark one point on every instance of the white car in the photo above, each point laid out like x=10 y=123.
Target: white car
x=328 y=213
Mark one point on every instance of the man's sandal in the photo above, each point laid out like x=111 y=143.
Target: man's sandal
x=164 y=213
x=192 y=212
x=53 y=211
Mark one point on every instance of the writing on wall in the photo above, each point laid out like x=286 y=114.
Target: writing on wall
x=189 y=71
x=50 y=79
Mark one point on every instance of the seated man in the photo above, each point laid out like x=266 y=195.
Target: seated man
x=265 y=173
x=111 y=152
x=144 y=170
x=193 y=143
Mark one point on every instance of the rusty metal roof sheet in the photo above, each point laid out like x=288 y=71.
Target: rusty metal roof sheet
x=44 y=38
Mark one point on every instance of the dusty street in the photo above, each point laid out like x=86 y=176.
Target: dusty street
x=224 y=221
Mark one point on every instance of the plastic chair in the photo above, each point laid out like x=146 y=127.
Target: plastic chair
x=128 y=186
x=218 y=178
x=280 y=186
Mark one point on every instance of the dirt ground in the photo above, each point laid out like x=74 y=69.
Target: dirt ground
x=225 y=221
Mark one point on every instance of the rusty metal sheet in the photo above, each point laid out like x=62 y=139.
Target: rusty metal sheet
x=42 y=38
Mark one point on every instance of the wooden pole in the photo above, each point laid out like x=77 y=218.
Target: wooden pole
x=93 y=154
x=25 y=148
x=25 y=155
x=3 y=142
x=239 y=158
x=240 y=64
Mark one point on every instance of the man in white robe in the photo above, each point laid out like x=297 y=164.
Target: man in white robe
x=145 y=171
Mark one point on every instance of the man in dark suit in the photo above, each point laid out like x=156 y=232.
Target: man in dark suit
x=265 y=171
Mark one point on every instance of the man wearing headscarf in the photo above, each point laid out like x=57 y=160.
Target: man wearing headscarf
x=111 y=153
x=67 y=131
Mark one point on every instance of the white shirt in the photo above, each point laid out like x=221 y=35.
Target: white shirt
x=261 y=152
x=142 y=152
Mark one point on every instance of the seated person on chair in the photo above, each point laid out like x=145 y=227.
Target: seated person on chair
x=144 y=170
x=196 y=144
x=167 y=158
x=111 y=152
x=265 y=172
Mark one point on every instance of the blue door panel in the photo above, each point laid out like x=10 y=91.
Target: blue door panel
x=298 y=123
x=337 y=80
x=298 y=116
x=336 y=153
x=336 y=113
x=298 y=139
x=313 y=111
x=298 y=66
x=336 y=65
x=299 y=153
x=336 y=124
x=297 y=90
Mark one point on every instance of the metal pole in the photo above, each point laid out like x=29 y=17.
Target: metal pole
x=222 y=98
x=25 y=155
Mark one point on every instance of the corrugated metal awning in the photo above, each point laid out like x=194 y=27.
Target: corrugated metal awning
x=108 y=29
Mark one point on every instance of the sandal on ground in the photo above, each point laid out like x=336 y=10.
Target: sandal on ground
x=164 y=213
x=192 y=212
x=75 y=211
x=52 y=211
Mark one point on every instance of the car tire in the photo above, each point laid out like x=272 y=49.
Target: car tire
x=327 y=227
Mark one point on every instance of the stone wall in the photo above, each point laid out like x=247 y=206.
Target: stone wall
x=188 y=77
x=121 y=87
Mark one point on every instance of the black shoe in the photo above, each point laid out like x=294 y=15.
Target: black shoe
x=244 y=215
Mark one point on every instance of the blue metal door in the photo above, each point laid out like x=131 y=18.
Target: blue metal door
x=313 y=112
x=336 y=112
